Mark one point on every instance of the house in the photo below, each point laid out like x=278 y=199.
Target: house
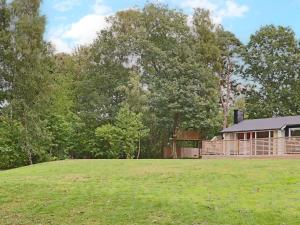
x=269 y=136
x=277 y=127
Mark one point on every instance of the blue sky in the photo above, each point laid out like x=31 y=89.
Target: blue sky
x=74 y=22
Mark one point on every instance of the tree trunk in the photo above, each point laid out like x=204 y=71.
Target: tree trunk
x=139 y=150
x=175 y=130
x=225 y=118
x=226 y=98
x=29 y=157
x=174 y=149
x=27 y=144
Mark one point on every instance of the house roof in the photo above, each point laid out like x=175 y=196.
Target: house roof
x=263 y=124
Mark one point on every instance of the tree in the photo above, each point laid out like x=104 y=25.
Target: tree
x=183 y=88
x=151 y=60
x=11 y=153
x=62 y=121
x=148 y=75
x=230 y=59
x=207 y=44
x=99 y=93
x=5 y=51
x=26 y=74
x=272 y=63
x=124 y=136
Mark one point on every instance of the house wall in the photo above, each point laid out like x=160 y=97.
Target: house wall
x=280 y=142
x=277 y=142
x=280 y=133
x=229 y=136
x=233 y=136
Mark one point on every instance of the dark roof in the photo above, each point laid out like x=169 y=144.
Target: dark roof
x=264 y=124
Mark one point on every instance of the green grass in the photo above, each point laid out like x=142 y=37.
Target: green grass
x=152 y=192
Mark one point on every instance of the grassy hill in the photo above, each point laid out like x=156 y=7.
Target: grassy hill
x=152 y=192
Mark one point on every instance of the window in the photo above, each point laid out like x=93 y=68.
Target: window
x=245 y=136
x=259 y=134
x=264 y=134
x=294 y=132
x=240 y=136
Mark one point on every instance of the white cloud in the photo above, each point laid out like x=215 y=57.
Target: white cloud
x=235 y=10
x=83 y=31
x=65 y=5
x=55 y=37
x=220 y=9
x=100 y=8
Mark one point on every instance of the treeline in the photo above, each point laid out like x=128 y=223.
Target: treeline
x=152 y=72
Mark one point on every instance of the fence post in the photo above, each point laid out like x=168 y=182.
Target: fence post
x=255 y=143
x=284 y=149
x=269 y=143
x=251 y=144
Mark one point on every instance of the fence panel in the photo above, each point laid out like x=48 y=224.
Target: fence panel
x=244 y=147
x=264 y=146
x=259 y=146
x=212 y=148
x=231 y=147
x=292 y=145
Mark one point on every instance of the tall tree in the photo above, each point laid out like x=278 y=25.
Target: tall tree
x=62 y=120
x=181 y=81
x=230 y=60
x=99 y=95
x=272 y=65
x=26 y=76
x=5 y=52
x=206 y=41
x=109 y=76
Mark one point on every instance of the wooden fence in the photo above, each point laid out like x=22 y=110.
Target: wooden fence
x=260 y=146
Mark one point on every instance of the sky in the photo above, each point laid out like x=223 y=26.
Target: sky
x=71 y=23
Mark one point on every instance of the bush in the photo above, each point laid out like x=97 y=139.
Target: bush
x=11 y=153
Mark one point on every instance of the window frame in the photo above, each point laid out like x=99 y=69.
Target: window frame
x=293 y=129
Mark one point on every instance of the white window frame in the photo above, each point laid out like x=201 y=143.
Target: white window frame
x=269 y=131
x=293 y=129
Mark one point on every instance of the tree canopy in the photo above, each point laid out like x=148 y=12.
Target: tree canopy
x=152 y=73
x=272 y=63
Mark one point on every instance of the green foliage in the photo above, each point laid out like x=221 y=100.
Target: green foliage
x=111 y=141
x=206 y=42
x=122 y=138
x=100 y=79
x=148 y=75
x=272 y=64
x=25 y=76
x=230 y=60
x=183 y=88
x=11 y=152
x=153 y=68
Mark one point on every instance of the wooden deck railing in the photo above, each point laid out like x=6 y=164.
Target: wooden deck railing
x=260 y=146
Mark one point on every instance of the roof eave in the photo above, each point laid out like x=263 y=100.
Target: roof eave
x=252 y=130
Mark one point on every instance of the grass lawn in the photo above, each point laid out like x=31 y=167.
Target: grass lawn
x=152 y=192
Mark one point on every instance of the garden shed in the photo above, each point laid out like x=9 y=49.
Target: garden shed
x=188 y=145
